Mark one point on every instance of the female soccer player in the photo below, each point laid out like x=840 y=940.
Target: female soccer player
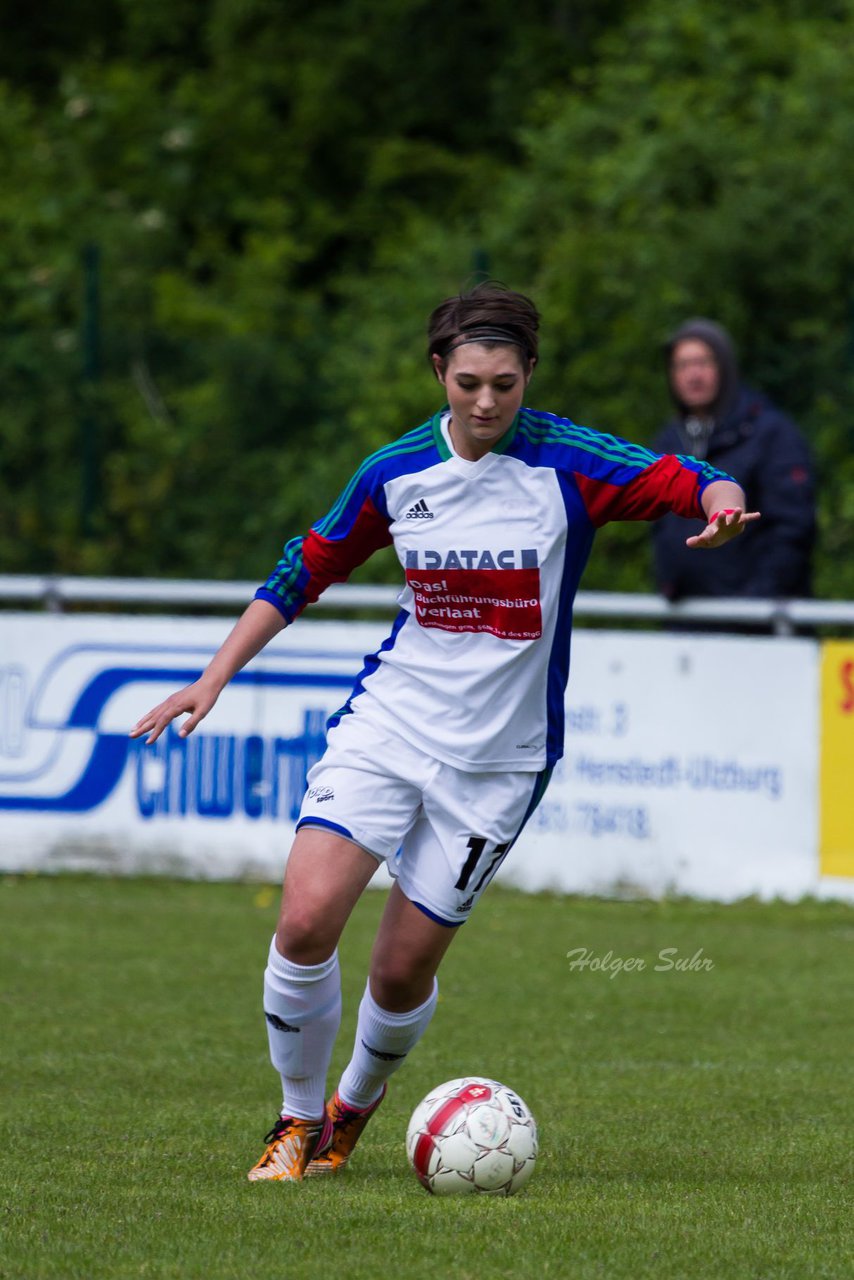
x=447 y=741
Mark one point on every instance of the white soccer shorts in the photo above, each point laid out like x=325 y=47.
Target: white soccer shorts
x=443 y=832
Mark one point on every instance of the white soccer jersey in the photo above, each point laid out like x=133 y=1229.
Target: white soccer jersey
x=474 y=669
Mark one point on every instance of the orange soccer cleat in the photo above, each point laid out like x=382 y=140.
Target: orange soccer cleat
x=347 y=1124
x=291 y=1143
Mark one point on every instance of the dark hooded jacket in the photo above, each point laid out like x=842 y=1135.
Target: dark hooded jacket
x=763 y=450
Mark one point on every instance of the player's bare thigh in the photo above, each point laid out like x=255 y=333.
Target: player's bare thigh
x=324 y=878
x=407 y=952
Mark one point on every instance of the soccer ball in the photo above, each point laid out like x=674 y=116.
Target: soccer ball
x=472 y=1135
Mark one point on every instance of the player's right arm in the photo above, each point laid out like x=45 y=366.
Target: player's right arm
x=329 y=552
x=252 y=631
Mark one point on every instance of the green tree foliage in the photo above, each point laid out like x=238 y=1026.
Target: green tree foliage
x=280 y=194
x=239 y=163
x=704 y=167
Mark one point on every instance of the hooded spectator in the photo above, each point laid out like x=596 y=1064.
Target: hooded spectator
x=737 y=429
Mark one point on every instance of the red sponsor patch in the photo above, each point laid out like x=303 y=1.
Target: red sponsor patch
x=504 y=602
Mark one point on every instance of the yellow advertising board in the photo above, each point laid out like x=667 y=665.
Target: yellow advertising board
x=837 y=759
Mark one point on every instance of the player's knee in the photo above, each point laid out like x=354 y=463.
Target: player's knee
x=302 y=938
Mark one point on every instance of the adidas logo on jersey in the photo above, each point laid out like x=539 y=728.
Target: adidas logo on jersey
x=420 y=511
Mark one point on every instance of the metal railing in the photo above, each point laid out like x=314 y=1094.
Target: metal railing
x=56 y=593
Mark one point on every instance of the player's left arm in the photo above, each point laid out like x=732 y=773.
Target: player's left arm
x=723 y=503
x=622 y=481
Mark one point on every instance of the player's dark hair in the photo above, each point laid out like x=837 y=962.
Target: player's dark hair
x=489 y=313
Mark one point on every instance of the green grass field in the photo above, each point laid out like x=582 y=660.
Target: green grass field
x=693 y=1123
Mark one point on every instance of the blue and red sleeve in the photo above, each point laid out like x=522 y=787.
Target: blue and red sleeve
x=638 y=488
x=352 y=531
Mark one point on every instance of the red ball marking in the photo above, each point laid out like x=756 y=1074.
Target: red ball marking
x=438 y=1122
x=421 y=1156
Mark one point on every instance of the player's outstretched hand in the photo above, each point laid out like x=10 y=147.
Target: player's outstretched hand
x=723 y=527
x=195 y=699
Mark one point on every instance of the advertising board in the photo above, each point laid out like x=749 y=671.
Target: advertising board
x=691 y=765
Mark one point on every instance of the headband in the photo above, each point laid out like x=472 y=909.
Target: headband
x=486 y=335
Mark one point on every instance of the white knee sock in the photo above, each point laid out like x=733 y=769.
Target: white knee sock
x=383 y=1040
x=302 y=1005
